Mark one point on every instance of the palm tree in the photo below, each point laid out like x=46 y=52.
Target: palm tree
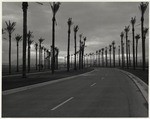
x=76 y=28
x=137 y=37
x=24 y=7
x=113 y=46
x=68 y=53
x=110 y=53
x=10 y=29
x=143 y=7
x=121 y=35
x=40 y=42
x=29 y=36
x=55 y=8
x=133 y=20
x=129 y=52
x=36 y=47
x=18 y=38
x=127 y=28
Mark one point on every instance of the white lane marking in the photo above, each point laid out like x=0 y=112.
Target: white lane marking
x=102 y=78
x=93 y=84
x=62 y=103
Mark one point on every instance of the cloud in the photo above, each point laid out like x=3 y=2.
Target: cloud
x=100 y=22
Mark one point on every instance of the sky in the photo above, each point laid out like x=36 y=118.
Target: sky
x=100 y=22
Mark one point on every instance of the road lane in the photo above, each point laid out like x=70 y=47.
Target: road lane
x=114 y=96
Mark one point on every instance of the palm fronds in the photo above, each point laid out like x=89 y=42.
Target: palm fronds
x=10 y=26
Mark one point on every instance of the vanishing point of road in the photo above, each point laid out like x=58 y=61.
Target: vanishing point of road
x=104 y=92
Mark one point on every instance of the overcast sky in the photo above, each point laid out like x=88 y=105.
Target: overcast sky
x=100 y=22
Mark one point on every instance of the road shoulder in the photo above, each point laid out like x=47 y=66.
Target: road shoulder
x=143 y=87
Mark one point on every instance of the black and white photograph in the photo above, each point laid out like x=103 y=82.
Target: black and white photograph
x=74 y=59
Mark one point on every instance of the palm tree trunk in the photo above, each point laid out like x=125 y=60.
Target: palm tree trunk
x=127 y=49
x=75 y=67
x=87 y=60
x=68 y=53
x=114 y=56
x=129 y=56
x=123 y=57
x=44 y=60
x=119 y=56
x=122 y=52
x=28 y=58
x=93 y=60
x=39 y=57
x=99 y=59
x=133 y=48
x=17 y=57
x=82 y=56
x=9 y=53
x=136 y=53
x=53 y=45
x=114 y=59
x=25 y=6
x=50 y=64
x=36 y=59
x=106 y=58
x=143 y=41
x=90 y=60
x=102 y=59
x=110 y=57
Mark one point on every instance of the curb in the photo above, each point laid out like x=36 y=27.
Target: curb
x=15 y=90
x=143 y=87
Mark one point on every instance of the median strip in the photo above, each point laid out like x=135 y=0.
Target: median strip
x=15 y=90
x=62 y=103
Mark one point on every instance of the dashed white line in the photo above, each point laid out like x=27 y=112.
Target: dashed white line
x=62 y=103
x=93 y=84
x=102 y=78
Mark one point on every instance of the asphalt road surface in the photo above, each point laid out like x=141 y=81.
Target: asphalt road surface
x=104 y=92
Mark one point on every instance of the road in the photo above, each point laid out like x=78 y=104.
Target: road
x=105 y=92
